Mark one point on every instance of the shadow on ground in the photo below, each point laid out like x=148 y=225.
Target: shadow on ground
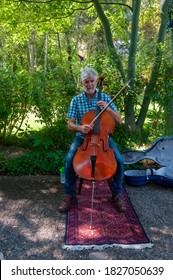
x=32 y=228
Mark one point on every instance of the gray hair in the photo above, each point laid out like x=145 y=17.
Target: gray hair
x=88 y=72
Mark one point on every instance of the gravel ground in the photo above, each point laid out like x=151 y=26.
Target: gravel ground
x=32 y=228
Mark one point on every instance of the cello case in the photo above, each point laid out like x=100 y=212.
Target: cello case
x=161 y=152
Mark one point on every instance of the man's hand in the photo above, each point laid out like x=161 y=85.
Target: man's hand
x=116 y=115
x=72 y=126
x=86 y=128
x=102 y=104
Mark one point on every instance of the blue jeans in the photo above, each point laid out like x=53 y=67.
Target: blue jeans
x=70 y=175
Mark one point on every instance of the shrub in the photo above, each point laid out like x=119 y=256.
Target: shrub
x=32 y=163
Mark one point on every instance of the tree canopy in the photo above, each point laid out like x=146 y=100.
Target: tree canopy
x=45 y=44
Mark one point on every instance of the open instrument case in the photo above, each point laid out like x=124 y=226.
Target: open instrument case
x=161 y=152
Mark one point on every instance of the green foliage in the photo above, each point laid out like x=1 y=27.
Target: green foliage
x=46 y=95
x=49 y=146
x=14 y=101
x=32 y=163
x=130 y=140
x=51 y=94
x=41 y=77
x=52 y=138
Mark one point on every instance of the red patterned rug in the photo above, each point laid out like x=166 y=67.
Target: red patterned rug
x=102 y=226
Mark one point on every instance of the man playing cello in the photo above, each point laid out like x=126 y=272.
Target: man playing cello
x=80 y=105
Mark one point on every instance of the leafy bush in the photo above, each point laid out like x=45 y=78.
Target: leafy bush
x=32 y=163
x=14 y=101
x=47 y=146
x=56 y=137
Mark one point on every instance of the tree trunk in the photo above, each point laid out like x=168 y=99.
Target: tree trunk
x=169 y=118
x=46 y=53
x=2 y=57
x=169 y=90
x=32 y=52
x=109 y=40
x=156 y=65
x=69 y=51
x=128 y=102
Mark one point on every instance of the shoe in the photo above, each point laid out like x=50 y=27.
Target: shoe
x=119 y=203
x=66 y=203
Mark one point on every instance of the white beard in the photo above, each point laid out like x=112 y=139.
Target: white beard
x=90 y=90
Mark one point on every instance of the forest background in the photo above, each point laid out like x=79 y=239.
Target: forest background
x=44 y=45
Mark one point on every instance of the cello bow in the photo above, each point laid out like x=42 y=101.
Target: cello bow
x=126 y=86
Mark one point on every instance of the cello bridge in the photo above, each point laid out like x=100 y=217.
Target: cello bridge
x=95 y=144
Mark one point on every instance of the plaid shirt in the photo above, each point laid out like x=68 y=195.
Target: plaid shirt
x=80 y=105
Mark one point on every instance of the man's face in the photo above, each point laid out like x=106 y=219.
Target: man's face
x=90 y=84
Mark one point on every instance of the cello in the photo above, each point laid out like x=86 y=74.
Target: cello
x=95 y=160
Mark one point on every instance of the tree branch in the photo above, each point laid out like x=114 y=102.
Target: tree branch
x=75 y=1
x=58 y=17
x=108 y=3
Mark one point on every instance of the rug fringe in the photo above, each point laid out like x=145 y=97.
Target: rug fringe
x=105 y=246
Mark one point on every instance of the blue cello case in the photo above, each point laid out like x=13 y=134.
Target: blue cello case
x=161 y=152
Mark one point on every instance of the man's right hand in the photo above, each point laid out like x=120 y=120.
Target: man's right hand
x=85 y=128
